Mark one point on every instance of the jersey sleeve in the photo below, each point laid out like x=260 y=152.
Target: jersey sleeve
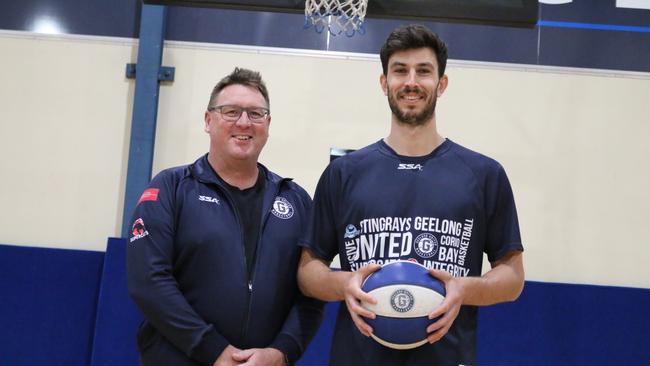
x=321 y=235
x=151 y=282
x=503 y=234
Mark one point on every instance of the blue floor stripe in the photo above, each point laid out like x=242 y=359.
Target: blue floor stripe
x=608 y=27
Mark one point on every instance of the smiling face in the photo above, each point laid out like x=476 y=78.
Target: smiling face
x=412 y=85
x=241 y=140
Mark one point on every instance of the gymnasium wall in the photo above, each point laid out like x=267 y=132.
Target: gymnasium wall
x=570 y=140
x=64 y=132
x=565 y=110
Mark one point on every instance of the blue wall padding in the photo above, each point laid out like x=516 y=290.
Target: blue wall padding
x=560 y=324
x=117 y=316
x=49 y=299
x=47 y=305
x=318 y=352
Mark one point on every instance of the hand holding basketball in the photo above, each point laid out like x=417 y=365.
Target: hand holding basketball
x=448 y=309
x=406 y=294
x=353 y=296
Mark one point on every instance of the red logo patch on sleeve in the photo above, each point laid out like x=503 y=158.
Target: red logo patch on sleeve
x=150 y=194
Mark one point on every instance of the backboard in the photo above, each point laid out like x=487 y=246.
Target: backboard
x=514 y=13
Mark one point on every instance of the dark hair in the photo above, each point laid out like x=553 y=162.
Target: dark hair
x=241 y=76
x=410 y=37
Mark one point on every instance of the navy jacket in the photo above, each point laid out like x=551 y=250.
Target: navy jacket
x=187 y=269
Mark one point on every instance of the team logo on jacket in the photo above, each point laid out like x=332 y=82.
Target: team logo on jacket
x=282 y=208
x=402 y=300
x=138 y=230
x=426 y=245
x=351 y=231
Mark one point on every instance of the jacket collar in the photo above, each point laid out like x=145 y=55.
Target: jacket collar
x=203 y=172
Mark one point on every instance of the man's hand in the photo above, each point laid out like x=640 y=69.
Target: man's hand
x=448 y=309
x=226 y=357
x=259 y=357
x=504 y=282
x=352 y=294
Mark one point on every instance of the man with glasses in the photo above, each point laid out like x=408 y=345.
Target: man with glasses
x=213 y=255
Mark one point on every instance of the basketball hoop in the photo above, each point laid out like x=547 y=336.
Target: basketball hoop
x=338 y=16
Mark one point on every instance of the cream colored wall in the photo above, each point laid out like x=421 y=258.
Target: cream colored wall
x=575 y=149
x=572 y=142
x=63 y=122
x=316 y=103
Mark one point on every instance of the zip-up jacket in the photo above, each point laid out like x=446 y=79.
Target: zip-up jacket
x=187 y=269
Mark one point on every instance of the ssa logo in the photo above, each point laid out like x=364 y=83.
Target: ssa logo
x=403 y=166
x=208 y=199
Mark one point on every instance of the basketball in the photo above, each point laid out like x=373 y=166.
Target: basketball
x=406 y=293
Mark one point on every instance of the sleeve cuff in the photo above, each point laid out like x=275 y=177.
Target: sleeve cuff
x=288 y=346
x=210 y=347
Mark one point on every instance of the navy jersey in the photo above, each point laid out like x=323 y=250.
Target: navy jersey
x=443 y=210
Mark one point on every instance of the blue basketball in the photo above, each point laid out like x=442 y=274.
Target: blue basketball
x=406 y=293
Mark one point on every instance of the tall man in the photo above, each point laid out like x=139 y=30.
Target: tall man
x=413 y=196
x=214 y=249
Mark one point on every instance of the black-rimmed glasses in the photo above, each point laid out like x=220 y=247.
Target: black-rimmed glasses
x=232 y=113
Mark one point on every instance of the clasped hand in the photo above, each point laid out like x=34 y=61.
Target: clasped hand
x=232 y=356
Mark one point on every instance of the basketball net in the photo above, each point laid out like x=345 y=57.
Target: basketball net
x=338 y=16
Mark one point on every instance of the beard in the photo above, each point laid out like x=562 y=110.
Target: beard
x=409 y=117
